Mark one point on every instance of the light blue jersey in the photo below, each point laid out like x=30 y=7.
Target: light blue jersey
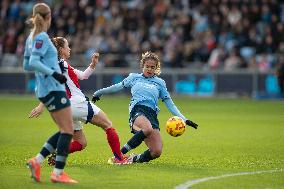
x=145 y=91
x=41 y=57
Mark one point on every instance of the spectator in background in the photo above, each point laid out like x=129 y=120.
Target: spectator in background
x=216 y=58
x=232 y=62
x=194 y=29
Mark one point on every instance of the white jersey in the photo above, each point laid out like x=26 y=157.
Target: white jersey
x=72 y=85
x=82 y=109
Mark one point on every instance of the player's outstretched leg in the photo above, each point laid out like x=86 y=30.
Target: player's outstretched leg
x=141 y=158
x=101 y=120
x=114 y=143
x=135 y=141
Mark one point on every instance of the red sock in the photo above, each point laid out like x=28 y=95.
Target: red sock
x=113 y=141
x=75 y=146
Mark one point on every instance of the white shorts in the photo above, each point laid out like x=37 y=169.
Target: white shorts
x=83 y=112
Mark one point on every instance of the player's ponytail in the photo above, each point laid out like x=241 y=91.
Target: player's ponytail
x=41 y=12
x=29 y=23
x=38 y=23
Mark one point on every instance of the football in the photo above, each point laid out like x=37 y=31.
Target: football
x=175 y=126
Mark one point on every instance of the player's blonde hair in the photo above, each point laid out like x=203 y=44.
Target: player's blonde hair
x=150 y=55
x=41 y=12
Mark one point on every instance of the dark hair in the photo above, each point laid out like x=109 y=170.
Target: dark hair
x=58 y=43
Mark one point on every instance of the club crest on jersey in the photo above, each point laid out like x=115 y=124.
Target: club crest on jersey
x=63 y=100
x=38 y=44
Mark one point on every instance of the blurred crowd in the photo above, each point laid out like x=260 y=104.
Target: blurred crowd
x=205 y=34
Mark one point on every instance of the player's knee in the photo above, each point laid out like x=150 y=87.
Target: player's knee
x=147 y=131
x=67 y=130
x=84 y=145
x=156 y=153
x=106 y=124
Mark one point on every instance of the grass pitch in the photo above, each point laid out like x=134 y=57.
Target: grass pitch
x=235 y=136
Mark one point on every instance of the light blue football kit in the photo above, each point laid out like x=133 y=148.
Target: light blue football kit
x=145 y=91
x=41 y=56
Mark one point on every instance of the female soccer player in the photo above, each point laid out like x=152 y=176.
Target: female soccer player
x=82 y=108
x=146 y=89
x=41 y=57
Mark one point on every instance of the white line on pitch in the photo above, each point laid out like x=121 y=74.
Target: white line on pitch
x=197 y=181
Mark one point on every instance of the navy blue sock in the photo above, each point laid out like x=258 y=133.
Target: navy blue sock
x=50 y=145
x=62 y=150
x=135 y=141
x=145 y=157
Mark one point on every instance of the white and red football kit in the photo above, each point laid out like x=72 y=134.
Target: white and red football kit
x=82 y=109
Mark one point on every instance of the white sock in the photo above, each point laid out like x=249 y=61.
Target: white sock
x=39 y=158
x=57 y=171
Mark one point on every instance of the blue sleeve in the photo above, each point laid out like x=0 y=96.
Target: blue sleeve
x=112 y=89
x=26 y=65
x=127 y=82
x=37 y=65
x=39 y=48
x=40 y=44
x=173 y=109
x=164 y=93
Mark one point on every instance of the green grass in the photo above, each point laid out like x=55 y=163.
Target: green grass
x=234 y=136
